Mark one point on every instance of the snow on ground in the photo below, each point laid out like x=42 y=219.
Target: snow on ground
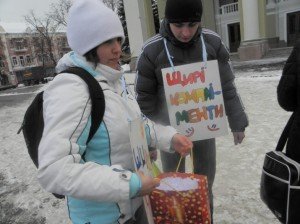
x=22 y=201
x=236 y=187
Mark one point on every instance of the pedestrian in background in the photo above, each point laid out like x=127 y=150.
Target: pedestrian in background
x=183 y=37
x=100 y=187
x=288 y=94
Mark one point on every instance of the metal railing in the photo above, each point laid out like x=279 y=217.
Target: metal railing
x=234 y=7
x=229 y=8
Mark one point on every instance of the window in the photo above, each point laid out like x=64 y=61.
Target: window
x=19 y=44
x=64 y=41
x=11 y=42
x=15 y=62
x=28 y=59
x=22 y=61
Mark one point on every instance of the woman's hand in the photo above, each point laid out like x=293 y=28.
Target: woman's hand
x=182 y=144
x=148 y=184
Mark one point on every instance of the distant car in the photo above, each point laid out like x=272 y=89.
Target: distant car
x=48 y=79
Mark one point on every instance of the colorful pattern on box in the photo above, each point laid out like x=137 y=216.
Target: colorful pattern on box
x=181 y=207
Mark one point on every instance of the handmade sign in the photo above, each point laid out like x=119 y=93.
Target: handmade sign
x=141 y=156
x=181 y=198
x=195 y=100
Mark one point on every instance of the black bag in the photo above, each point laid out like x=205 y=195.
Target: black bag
x=280 y=182
x=33 y=122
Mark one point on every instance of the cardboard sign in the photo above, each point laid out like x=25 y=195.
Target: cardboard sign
x=195 y=100
x=141 y=157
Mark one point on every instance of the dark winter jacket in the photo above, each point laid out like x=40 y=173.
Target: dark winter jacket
x=149 y=83
x=288 y=93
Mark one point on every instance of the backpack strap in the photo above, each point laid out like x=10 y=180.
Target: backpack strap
x=96 y=95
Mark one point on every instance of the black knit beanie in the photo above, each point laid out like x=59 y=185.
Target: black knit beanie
x=178 y=11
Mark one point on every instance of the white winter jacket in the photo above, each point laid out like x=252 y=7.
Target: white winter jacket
x=98 y=189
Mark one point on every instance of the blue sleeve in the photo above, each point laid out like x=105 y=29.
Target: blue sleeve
x=148 y=135
x=135 y=185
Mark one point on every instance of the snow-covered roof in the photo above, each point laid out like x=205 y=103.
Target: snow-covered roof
x=13 y=27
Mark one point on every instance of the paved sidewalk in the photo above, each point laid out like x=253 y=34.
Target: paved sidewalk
x=274 y=59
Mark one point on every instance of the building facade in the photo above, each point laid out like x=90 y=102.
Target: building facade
x=249 y=27
x=278 y=21
x=25 y=55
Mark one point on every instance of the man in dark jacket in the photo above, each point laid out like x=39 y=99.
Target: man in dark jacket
x=179 y=42
x=288 y=93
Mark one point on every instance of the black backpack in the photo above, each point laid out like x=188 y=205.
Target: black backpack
x=33 y=122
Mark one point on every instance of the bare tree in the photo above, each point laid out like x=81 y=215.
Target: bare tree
x=111 y=4
x=44 y=32
x=1 y=48
x=59 y=11
x=2 y=78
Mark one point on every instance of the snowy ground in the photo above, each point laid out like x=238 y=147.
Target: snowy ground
x=236 y=187
x=239 y=167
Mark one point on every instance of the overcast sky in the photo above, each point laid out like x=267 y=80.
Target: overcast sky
x=14 y=10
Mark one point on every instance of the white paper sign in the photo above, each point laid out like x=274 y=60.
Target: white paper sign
x=195 y=100
x=141 y=157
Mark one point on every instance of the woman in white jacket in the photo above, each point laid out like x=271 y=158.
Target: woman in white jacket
x=103 y=188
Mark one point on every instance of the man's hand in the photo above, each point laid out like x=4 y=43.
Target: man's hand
x=182 y=144
x=238 y=137
x=148 y=184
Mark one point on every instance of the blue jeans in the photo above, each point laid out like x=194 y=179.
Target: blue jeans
x=204 y=162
